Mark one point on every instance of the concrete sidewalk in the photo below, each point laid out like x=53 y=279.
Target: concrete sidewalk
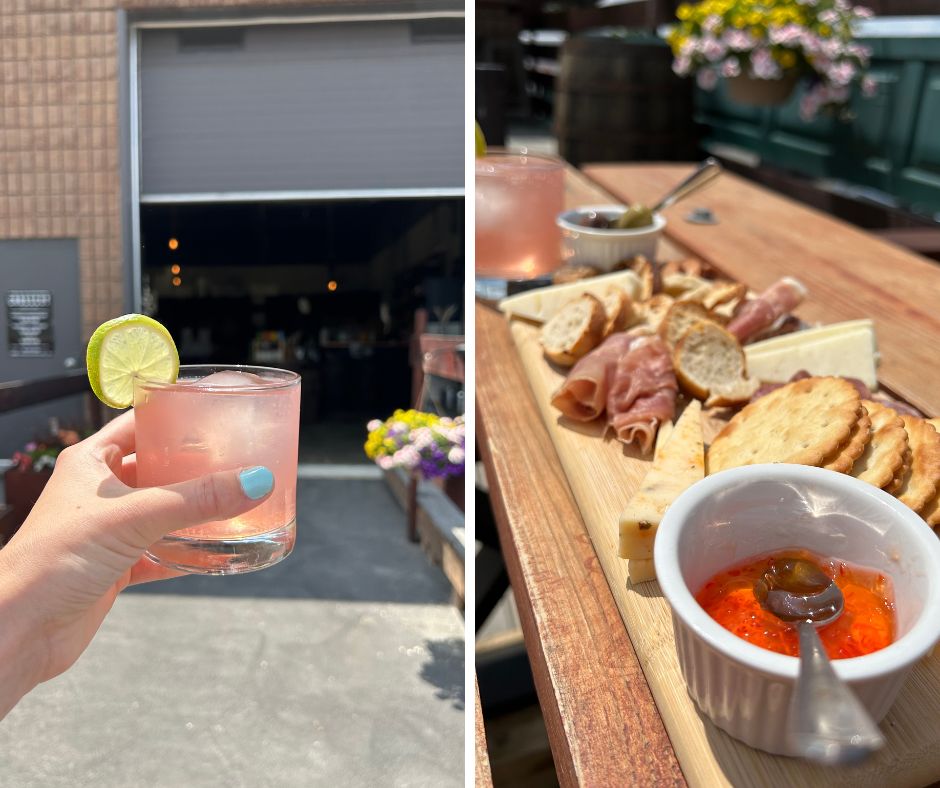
x=341 y=666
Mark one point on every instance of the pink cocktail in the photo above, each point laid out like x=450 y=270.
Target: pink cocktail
x=214 y=419
x=518 y=198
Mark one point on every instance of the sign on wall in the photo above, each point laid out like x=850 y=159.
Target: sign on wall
x=29 y=323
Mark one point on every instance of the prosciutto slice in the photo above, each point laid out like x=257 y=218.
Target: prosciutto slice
x=642 y=392
x=770 y=306
x=583 y=395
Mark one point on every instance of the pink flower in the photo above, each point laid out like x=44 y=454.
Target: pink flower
x=829 y=17
x=408 y=457
x=863 y=13
x=869 y=87
x=386 y=463
x=764 y=66
x=841 y=73
x=712 y=23
x=456 y=456
x=788 y=34
x=713 y=49
x=373 y=425
x=31 y=446
x=730 y=68
x=738 y=40
x=707 y=78
x=682 y=66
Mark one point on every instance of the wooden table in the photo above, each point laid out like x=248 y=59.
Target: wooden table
x=601 y=718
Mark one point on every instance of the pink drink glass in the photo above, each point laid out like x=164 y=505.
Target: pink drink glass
x=239 y=417
x=518 y=197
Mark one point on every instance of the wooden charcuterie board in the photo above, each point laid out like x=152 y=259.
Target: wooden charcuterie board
x=602 y=475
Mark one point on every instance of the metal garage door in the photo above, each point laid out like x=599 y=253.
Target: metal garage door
x=345 y=109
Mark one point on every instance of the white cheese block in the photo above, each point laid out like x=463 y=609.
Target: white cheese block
x=542 y=304
x=677 y=465
x=641 y=570
x=845 y=349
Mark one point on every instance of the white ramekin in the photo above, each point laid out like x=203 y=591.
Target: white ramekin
x=743 y=512
x=605 y=248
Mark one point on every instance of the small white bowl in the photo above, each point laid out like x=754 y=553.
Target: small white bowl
x=744 y=512
x=605 y=248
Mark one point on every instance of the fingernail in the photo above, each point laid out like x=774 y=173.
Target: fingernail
x=256 y=482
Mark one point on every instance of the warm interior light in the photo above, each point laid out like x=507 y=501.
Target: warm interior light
x=173 y=244
x=177 y=281
x=331 y=285
x=175 y=268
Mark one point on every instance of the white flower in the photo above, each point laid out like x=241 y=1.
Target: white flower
x=863 y=13
x=373 y=425
x=841 y=73
x=712 y=22
x=738 y=40
x=682 y=66
x=828 y=17
x=408 y=457
x=385 y=462
x=869 y=87
x=455 y=456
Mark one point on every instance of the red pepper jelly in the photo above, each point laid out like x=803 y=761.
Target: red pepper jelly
x=866 y=625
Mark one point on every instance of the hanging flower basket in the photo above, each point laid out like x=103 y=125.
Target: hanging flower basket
x=761 y=48
x=744 y=89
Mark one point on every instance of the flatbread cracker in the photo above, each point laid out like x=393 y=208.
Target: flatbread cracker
x=920 y=486
x=804 y=422
x=883 y=457
x=852 y=450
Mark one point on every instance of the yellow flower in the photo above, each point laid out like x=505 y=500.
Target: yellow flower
x=683 y=12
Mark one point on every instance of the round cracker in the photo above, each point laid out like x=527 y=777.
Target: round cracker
x=803 y=422
x=920 y=486
x=903 y=471
x=883 y=457
x=859 y=438
x=931 y=512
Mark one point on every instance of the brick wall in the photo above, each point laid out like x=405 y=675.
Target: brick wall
x=59 y=131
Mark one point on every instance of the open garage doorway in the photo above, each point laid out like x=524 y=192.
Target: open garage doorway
x=328 y=289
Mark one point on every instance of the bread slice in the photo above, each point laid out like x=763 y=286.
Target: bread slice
x=619 y=310
x=575 y=330
x=709 y=358
x=724 y=293
x=680 y=317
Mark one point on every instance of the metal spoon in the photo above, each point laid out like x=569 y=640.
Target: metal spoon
x=708 y=170
x=826 y=722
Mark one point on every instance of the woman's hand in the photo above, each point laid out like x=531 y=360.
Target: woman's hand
x=83 y=543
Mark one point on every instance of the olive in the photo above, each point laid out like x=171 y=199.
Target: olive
x=594 y=220
x=634 y=217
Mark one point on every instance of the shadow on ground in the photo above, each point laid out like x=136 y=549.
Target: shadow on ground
x=351 y=546
x=444 y=670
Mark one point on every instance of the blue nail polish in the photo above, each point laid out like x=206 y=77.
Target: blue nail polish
x=256 y=482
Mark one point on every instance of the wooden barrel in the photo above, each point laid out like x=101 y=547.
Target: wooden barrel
x=617 y=99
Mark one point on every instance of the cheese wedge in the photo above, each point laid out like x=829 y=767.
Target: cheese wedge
x=542 y=304
x=641 y=570
x=843 y=349
x=677 y=465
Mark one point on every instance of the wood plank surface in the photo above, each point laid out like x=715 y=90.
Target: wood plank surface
x=762 y=236
x=601 y=719
x=483 y=778
x=603 y=474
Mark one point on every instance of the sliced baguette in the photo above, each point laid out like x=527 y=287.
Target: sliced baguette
x=680 y=317
x=708 y=358
x=618 y=309
x=574 y=331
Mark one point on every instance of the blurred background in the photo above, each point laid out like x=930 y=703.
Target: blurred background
x=592 y=81
x=279 y=184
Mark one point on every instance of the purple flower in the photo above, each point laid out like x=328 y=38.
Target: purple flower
x=31 y=446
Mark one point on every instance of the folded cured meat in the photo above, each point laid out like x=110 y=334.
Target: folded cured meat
x=642 y=393
x=762 y=312
x=583 y=395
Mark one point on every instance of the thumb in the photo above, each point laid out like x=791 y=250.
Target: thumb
x=218 y=496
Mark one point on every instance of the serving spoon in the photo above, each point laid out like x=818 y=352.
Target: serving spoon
x=826 y=722
x=707 y=171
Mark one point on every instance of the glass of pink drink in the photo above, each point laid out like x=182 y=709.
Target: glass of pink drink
x=217 y=418
x=518 y=198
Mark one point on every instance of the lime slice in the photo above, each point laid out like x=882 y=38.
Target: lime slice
x=129 y=346
x=480 y=141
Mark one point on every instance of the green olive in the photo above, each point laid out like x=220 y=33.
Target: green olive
x=634 y=217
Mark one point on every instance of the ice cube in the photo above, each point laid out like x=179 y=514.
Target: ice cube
x=230 y=379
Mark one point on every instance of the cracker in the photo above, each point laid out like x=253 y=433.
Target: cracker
x=846 y=455
x=895 y=484
x=920 y=486
x=883 y=457
x=931 y=512
x=804 y=422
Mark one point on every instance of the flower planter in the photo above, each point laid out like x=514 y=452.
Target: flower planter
x=21 y=490
x=761 y=92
